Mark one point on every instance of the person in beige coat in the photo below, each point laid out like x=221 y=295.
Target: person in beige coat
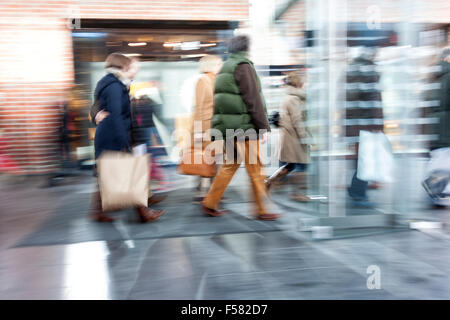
x=209 y=65
x=293 y=152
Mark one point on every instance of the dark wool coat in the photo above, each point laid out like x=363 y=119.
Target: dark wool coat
x=113 y=133
x=142 y=111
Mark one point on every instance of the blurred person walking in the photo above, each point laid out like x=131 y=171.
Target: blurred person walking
x=114 y=124
x=144 y=131
x=293 y=153
x=443 y=77
x=439 y=172
x=239 y=105
x=210 y=66
x=65 y=132
x=364 y=111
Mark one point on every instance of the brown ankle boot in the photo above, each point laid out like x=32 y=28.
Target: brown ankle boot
x=276 y=177
x=96 y=211
x=148 y=215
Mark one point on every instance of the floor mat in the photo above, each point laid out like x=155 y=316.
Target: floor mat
x=70 y=224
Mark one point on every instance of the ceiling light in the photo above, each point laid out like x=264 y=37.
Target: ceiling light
x=132 y=54
x=192 y=56
x=191 y=45
x=185 y=46
x=137 y=44
x=208 y=44
x=172 y=44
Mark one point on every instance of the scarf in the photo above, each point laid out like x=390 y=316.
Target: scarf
x=119 y=74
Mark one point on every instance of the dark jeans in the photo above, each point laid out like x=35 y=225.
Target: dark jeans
x=358 y=189
x=150 y=134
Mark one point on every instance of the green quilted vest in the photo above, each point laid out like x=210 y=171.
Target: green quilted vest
x=230 y=110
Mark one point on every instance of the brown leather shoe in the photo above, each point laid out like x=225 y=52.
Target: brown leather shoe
x=269 y=216
x=149 y=215
x=212 y=212
x=96 y=211
x=156 y=198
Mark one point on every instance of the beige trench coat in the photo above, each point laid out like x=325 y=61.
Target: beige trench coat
x=204 y=101
x=291 y=148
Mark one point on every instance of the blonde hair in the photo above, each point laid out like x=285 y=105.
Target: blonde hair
x=209 y=63
x=117 y=60
x=294 y=79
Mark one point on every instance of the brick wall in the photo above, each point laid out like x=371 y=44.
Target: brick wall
x=37 y=63
x=129 y=9
x=36 y=59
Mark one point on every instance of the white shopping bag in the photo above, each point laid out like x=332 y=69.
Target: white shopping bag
x=375 y=158
x=140 y=150
x=440 y=161
x=123 y=180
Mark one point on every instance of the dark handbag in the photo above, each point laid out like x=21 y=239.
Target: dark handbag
x=274 y=119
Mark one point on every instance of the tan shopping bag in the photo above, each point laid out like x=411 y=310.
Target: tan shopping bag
x=123 y=180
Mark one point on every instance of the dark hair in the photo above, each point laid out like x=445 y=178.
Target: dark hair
x=238 y=44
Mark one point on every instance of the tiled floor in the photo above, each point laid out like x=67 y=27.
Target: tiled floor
x=274 y=265
x=271 y=263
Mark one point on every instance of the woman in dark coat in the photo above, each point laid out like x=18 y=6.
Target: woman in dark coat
x=113 y=130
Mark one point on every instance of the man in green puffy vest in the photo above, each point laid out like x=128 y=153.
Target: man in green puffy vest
x=240 y=118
